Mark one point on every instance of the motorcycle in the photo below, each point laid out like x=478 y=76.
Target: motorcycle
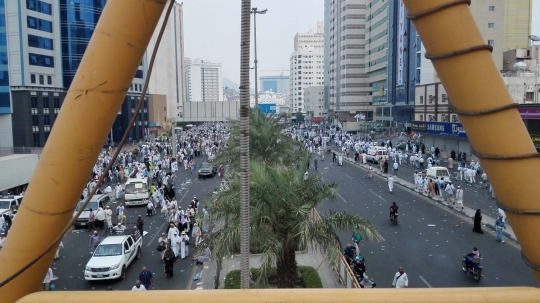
x=394 y=218
x=475 y=269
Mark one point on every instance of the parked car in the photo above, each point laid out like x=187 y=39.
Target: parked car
x=113 y=255
x=207 y=169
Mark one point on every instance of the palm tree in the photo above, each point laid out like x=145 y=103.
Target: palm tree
x=245 y=35
x=281 y=204
x=267 y=143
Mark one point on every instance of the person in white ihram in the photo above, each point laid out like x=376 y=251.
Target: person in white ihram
x=390 y=183
x=138 y=286
x=400 y=279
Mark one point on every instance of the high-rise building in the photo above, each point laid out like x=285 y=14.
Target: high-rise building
x=6 y=130
x=276 y=84
x=376 y=48
x=168 y=72
x=517 y=23
x=35 y=69
x=203 y=81
x=314 y=103
x=307 y=69
x=45 y=41
x=397 y=95
x=310 y=39
x=345 y=77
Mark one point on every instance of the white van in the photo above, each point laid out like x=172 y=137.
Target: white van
x=96 y=202
x=136 y=191
x=438 y=172
x=376 y=153
x=10 y=204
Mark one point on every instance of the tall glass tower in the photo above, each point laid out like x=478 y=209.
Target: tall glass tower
x=78 y=21
x=5 y=107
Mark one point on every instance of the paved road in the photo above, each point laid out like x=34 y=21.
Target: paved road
x=474 y=196
x=73 y=258
x=431 y=255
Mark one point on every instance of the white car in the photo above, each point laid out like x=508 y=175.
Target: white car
x=113 y=255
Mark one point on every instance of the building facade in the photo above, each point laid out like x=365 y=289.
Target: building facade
x=276 y=84
x=168 y=76
x=528 y=59
x=6 y=128
x=310 y=39
x=523 y=86
x=45 y=42
x=377 y=43
x=404 y=60
x=346 y=81
x=158 y=123
x=314 y=101
x=203 y=81
x=517 y=23
x=307 y=69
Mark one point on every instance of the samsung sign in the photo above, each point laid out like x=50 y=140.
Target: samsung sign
x=439 y=128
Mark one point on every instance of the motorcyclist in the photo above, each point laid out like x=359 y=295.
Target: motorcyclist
x=473 y=258
x=349 y=253
x=359 y=267
x=393 y=210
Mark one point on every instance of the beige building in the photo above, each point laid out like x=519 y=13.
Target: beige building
x=517 y=23
x=521 y=86
x=345 y=77
x=527 y=58
x=157 y=114
x=314 y=98
x=310 y=39
x=431 y=103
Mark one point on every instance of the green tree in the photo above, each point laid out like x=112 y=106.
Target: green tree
x=267 y=143
x=281 y=204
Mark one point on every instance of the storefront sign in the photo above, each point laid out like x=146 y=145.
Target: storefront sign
x=529 y=113
x=401 y=43
x=536 y=140
x=439 y=128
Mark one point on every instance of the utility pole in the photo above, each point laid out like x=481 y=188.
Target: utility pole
x=254 y=11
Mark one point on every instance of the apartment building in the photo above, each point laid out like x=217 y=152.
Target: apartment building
x=517 y=23
x=310 y=39
x=307 y=69
x=203 y=81
x=346 y=80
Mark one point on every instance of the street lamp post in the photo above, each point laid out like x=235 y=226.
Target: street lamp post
x=254 y=11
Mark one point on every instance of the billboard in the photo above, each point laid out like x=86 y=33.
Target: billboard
x=267 y=108
x=439 y=128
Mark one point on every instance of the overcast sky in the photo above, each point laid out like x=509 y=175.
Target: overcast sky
x=212 y=31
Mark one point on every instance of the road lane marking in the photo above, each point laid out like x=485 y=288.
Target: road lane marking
x=426 y=282
x=157 y=233
x=378 y=196
x=341 y=197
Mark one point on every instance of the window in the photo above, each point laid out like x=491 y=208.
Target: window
x=491 y=42
x=491 y=8
x=41 y=81
x=49 y=80
x=33 y=78
x=39 y=6
x=33 y=101
x=431 y=118
x=40 y=42
x=41 y=60
x=35 y=120
x=455 y=118
x=421 y=117
x=491 y=25
x=139 y=74
x=421 y=99
x=56 y=102
x=36 y=139
x=45 y=102
x=39 y=24
x=46 y=120
x=444 y=98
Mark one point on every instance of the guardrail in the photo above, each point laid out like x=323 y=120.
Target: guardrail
x=342 y=268
x=20 y=150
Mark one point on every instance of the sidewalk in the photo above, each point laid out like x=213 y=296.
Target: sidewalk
x=487 y=221
x=205 y=276
x=313 y=257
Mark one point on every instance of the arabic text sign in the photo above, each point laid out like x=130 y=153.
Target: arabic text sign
x=439 y=128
